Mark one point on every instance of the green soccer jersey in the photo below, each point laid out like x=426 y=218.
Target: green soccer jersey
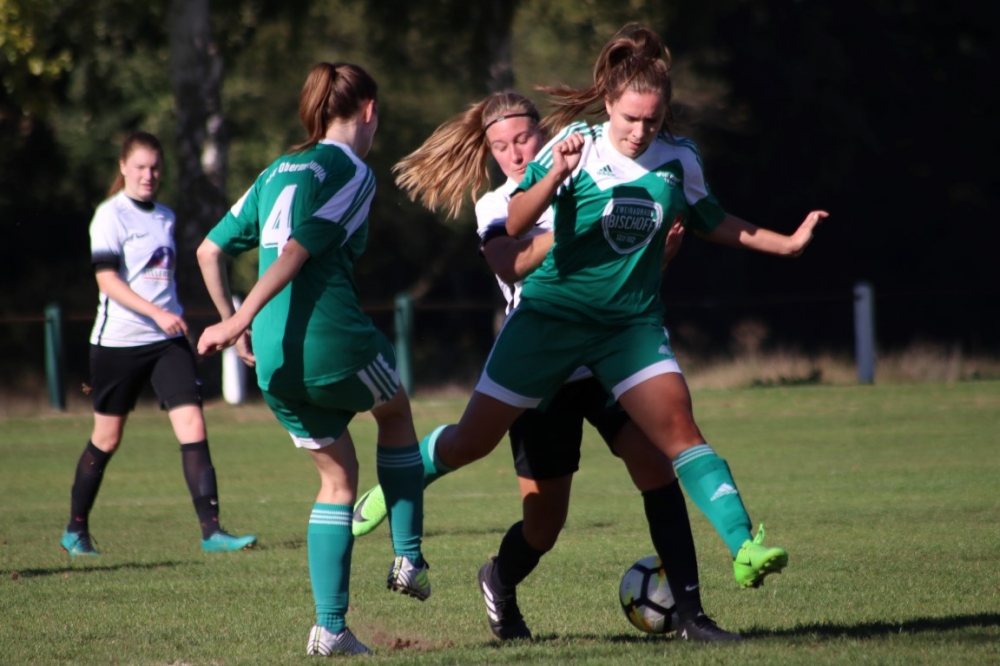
x=611 y=220
x=313 y=332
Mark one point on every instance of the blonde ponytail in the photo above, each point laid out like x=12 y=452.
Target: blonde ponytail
x=453 y=159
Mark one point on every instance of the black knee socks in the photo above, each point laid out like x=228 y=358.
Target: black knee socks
x=670 y=529
x=516 y=559
x=200 y=477
x=89 y=474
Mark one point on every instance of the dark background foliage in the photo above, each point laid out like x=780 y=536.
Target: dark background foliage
x=882 y=112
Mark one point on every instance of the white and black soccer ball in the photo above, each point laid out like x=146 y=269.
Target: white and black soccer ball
x=646 y=598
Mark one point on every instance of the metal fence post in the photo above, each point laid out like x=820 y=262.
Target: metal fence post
x=55 y=370
x=864 y=331
x=403 y=317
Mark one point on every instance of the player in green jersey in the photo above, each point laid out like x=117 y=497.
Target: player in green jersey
x=596 y=293
x=319 y=358
x=612 y=186
x=546 y=443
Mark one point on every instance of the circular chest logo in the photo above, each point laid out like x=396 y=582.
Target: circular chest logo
x=629 y=223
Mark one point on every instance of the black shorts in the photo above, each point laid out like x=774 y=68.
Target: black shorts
x=546 y=444
x=118 y=374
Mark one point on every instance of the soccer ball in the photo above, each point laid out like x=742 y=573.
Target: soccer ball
x=646 y=598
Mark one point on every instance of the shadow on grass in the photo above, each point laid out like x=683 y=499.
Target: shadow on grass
x=878 y=629
x=296 y=543
x=84 y=569
x=465 y=531
x=861 y=630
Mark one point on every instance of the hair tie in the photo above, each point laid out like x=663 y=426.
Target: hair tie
x=530 y=114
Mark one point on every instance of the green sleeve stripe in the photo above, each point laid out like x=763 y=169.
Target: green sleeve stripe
x=544 y=158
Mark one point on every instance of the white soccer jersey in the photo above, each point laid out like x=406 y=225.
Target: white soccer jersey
x=140 y=243
x=491 y=212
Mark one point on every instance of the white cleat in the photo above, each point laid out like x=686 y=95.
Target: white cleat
x=322 y=643
x=409 y=579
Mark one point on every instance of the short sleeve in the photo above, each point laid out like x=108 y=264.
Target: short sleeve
x=534 y=173
x=239 y=230
x=317 y=234
x=105 y=241
x=542 y=163
x=491 y=212
x=706 y=212
x=343 y=209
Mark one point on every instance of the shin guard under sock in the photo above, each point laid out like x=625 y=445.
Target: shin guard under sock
x=200 y=476
x=670 y=530
x=330 y=543
x=710 y=485
x=87 y=482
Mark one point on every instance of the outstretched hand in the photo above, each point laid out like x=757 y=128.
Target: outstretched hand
x=804 y=234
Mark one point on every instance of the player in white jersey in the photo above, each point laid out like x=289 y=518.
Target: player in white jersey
x=319 y=358
x=139 y=337
x=545 y=443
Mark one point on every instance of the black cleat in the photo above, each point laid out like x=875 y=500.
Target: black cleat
x=704 y=630
x=506 y=621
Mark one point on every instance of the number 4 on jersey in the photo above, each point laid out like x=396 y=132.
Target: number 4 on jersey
x=278 y=226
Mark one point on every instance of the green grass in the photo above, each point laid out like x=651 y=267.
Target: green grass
x=884 y=496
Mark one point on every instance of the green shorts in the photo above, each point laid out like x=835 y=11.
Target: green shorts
x=316 y=416
x=535 y=354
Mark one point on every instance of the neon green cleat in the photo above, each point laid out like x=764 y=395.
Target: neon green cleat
x=754 y=561
x=369 y=512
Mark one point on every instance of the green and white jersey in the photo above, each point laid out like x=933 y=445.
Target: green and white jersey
x=611 y=220
x=491 y=221
x=314 y=331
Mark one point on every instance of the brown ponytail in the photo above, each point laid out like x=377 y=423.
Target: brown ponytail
x=332 y=91
x=635 y=59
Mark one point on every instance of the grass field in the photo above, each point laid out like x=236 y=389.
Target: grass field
x=884 y=496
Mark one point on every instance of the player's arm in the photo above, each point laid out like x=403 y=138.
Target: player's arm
x=736 y=232
x=275 y=278
x=111 y=284
x=512 y=259
x=526 y=206
x=214 y=264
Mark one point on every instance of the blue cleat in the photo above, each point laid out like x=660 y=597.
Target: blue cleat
x=77 y=544
x=222 y=541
